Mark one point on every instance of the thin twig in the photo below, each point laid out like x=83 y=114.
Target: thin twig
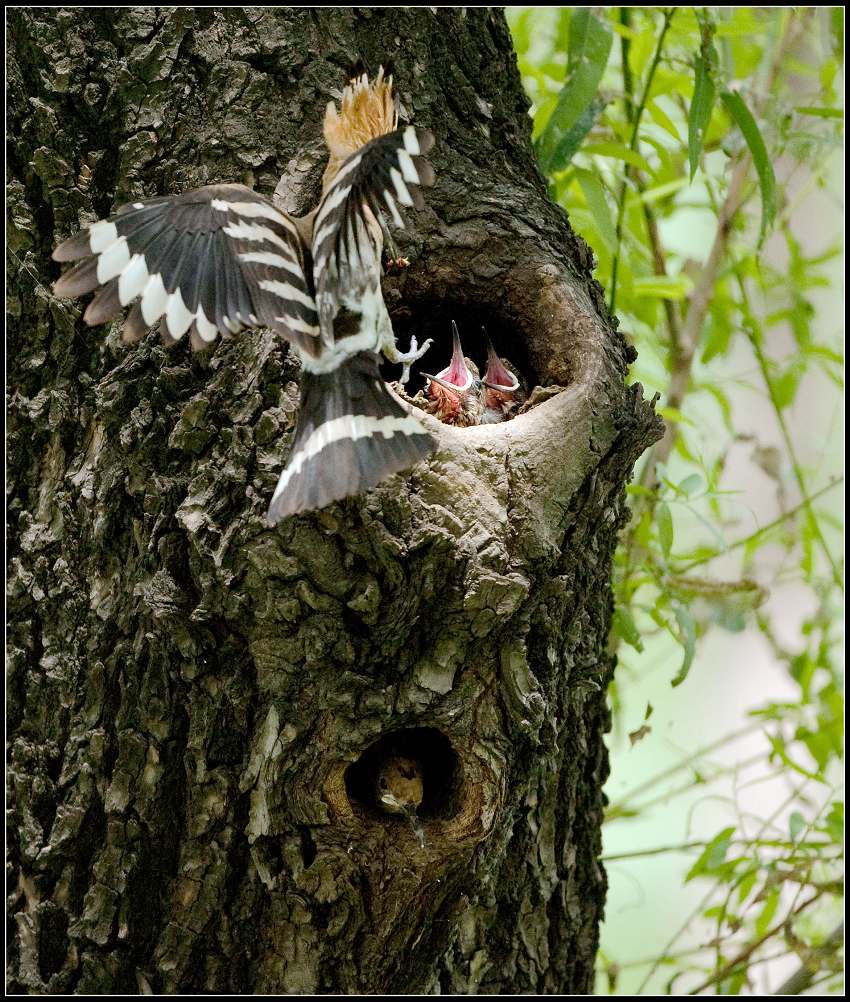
x=795 y=792
x=761 y=358
x=685 y=762
x=802 y=978
x=744 y=541
x=621 y=208
x=743 y=958
x=688 y=846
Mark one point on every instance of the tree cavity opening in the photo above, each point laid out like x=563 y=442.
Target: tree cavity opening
x=433 y=319
x=437 y=762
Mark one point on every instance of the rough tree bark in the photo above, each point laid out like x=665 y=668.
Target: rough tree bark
x=196 y=702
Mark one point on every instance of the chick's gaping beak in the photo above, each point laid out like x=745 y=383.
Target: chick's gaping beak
x=497 y=377
x=453 y=388
x=456 y=371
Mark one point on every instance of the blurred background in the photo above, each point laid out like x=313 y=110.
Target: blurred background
x=699 y=152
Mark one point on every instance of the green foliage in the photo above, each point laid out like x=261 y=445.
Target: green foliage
x=688 y=154
x=576 y=108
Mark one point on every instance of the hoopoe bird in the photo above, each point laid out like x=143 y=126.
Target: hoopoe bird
x=504 y=391
x=400 y=789
x=222 y=258
x=456 y=392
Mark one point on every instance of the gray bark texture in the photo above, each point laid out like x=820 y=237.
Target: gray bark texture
x=197 y=701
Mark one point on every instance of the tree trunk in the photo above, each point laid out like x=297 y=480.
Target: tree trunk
x=197 y=702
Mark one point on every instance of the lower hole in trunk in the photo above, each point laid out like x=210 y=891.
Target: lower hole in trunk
x=424 y=761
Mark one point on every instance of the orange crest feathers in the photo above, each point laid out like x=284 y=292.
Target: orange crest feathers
x=367 y=110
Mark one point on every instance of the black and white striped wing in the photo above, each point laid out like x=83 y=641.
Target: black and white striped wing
x=370 y=187
x=210 y=261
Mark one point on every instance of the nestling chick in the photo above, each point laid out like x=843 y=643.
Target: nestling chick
x=400 y=789
x=456 y=392
x=399 y=786
x=504 y=392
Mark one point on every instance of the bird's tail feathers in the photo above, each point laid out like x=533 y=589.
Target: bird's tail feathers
x=351 y=434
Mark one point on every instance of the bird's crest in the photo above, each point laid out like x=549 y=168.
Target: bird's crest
x=367 y=110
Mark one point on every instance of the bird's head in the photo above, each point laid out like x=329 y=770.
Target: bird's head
x=456 y=390
x=400 y=786
x=367 y=109
x=503 y=390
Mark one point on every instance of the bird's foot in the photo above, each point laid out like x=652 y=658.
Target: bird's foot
x=407 y=358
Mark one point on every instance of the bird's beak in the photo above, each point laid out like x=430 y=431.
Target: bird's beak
x=451 y=387
x=497 y=376
x=457 y=372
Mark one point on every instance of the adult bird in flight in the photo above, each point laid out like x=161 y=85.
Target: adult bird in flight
x=222 y=258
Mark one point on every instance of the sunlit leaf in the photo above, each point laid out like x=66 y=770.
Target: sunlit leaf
x=664 y=521
x=594 y=195
x=835 y=822
x=765 y=916
x=659 y=191
x=675 y=287
x=785 y=386
x=625 y=628
x=713 y=854
x=764 y=168
x=699 y=114
x=619 y=151
x=836 y=19
x=688 y=631
x=661 y=118
x=820 y=112
x=590 y=45
x=748 y=882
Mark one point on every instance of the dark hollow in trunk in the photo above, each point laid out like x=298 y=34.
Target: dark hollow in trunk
x=195 y=700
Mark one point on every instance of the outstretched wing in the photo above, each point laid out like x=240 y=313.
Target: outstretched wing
x=210 y=261
x=347 y=239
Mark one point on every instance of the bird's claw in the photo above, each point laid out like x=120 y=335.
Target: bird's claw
x=407 y=358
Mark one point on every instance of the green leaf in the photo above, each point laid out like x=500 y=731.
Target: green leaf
x=768 y=911
x=836 y=19
x=675 y=287
x=742 y=117
x=673 y=414
x=569 y=145
x=713 y=854
x=619 y=151
x=625 y=628
x=664 y=521
x=821 y=112
x=660 y=191
x=748 y=882
x=594 y=195
x=835 y=822
x=718 y=335
x=691 y=484
x=590 y=45
x=699 y=114
x=742 y=22
x=660 y=117
x=785 y=386
x=688 y=631
x=796 y=824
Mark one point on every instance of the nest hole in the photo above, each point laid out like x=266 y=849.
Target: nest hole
x=438 y=762
x=433 y=319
